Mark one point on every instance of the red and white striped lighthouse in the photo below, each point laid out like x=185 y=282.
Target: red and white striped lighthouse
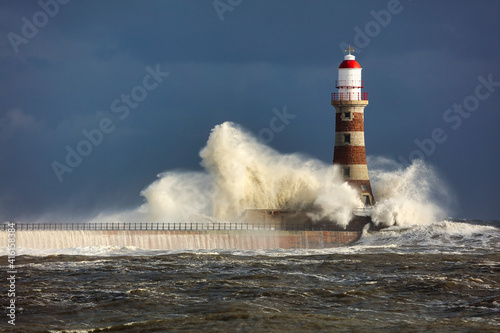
x=350 y=152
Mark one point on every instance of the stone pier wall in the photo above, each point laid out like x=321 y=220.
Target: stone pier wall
x=181 y=239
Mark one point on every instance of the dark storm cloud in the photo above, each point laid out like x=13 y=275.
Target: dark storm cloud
x=265 y=54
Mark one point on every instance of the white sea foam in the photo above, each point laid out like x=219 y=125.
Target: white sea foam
x=407 y=196
x=241 y=173
x=437 y=236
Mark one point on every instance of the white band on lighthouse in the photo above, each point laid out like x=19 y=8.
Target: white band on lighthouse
x=349 y=138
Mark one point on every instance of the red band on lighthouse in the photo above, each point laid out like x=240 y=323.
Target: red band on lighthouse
x=349 y=122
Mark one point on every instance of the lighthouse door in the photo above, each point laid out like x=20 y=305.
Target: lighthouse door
x=368 y=202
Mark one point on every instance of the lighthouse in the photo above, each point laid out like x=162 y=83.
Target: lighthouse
x=349 y=152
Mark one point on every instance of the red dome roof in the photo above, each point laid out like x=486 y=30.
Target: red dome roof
x=349 y=64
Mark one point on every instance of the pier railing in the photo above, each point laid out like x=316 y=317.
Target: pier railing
x=184 y=226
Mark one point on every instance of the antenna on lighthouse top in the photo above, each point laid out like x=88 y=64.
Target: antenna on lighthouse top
x=350 y=49
x=349 y=56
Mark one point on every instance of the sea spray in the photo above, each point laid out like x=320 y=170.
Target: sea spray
x=407 y=196
x=178 y=196
x=242 y=173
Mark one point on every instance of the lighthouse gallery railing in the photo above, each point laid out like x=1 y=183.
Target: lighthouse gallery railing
x=363 y=96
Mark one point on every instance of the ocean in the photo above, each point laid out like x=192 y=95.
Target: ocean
x=441 y=277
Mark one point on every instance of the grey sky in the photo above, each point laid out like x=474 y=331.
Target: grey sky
x=236 y=62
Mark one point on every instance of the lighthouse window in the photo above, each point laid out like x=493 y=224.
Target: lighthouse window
x=347 y=172
x=364 y=188
x=347 y=115
x=347 y=138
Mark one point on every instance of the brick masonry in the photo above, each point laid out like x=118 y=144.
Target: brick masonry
x=353 y=154
x=356 y=124
x=349 y=155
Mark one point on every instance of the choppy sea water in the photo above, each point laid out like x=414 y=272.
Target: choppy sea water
x=439 y=278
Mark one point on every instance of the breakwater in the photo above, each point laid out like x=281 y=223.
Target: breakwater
x=166 y=236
